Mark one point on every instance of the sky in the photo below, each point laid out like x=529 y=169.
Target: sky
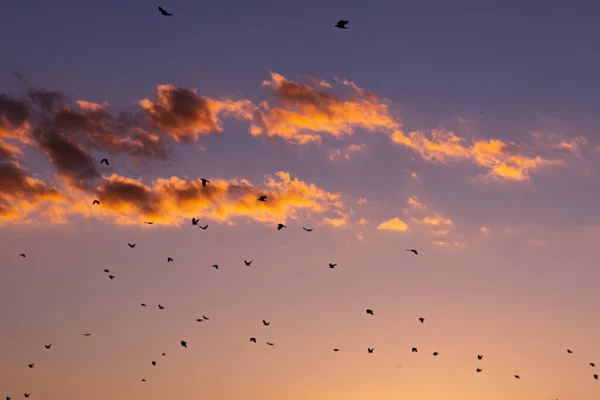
x=465 y=130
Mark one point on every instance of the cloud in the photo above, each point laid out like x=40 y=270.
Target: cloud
x=560 y=141
x=173 y=201
x=483 y=229
x=304 y=112
x=455 y=244
x=361 y=201
x=347 y=152
x=14 y=117
x=433 y=221
x=414 y=202
x=394 y=224
x=502 y=160
x=184 y=115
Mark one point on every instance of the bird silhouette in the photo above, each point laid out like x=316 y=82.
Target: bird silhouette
x=370 y=350
x=341 y=24
x=47 y=346
x=422 y=320
x=22 y=255
x=592 y=365
x=262 y=198
x=569 y=351
x=336 y=349
x=253 y=340
x=478 y=369
x=143 y=304
x=164 y=354
x=369 y=311
x=517 y=377
x=161 y=307
x=248 y=263
x=332 y=265
x=203 y=227
x=413 y=251
x=104 y=161
x=26 y=394
x=479 y=357
x=86 y=334
x=111 y=277
x=148 y=222
x=265 y=323
x=414 y=350
x=164 y=12
x=205 y=318
x=184 y=343
x=195 y=221
x=280 y=226
x=307 y=229
x=435 y=353
x=204 y=182
x=131 y=245
x=153 y=363
x=169 y=260
x=215 y=266
x=270 y=344
x=143 y=380
x=107 y=270
x=31 y=365
x=596 y=376
x=199 y=320
x=95 y=202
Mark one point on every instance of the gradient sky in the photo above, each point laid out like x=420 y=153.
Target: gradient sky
x=466 y=130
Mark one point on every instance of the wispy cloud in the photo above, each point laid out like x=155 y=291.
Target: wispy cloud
x=347 y=152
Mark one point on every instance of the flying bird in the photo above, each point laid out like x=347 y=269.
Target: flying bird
x=31 y=365
x=332 y=265
x=111 y=277
x=143 y=304
x=86 y=334
x=164 y=12
x=253 y=340
x=517 y=376
x=107 y=270
x=161 y=307
x=148 y=222
x=184 y=343
x=413 y=250
x=26 y=394
x=169 y=260
x=95 y=202
x=199 y=320
x=262 y=198
x=596 y=376
x=592 y=365
x=143 y=380
x=369 y=311
x=47 y=346
x=435 y=353
x=195 y=221
x=336 y=349
x=341 y=24
x=569 y=351
x=153 y=363
x=307 y=229
x=22 y=255
x=265 y=323
x=248 y=263
x=204 y=182
x=478 y=369
x=280 y=226
x=270 y=344
x=215 y=266
x=205 y=318
x=131 y=245
x=104 y=161
x=422 y=320
x=164 y=354
x=203 y=227
x=370 y=350
x=414 y=350
x=479 y=357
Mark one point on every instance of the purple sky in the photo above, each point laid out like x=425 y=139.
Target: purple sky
x=477 y=135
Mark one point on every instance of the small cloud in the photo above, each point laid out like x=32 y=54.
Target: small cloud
x=363 y=222
x=439 y=232
x=414 y=202
x=510 y=232
x=483 y=229
x=347 y=153
x=433 y=221
x=361 y=201
x=394 y=224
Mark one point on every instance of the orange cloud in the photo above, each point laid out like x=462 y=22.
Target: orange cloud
x=306 y=112
x=502 y=160
x=174 y=200
x=394 y=224
x=455 y=244
x=414 y=202
x=347 y=152
x=184 y=115
x=483 y=229
x=433 y=221
x=560 y=141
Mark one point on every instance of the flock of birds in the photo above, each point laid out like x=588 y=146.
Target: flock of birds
x=263 y=198
x=280 y=226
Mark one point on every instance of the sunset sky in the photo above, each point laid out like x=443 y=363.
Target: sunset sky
x=466 y=130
